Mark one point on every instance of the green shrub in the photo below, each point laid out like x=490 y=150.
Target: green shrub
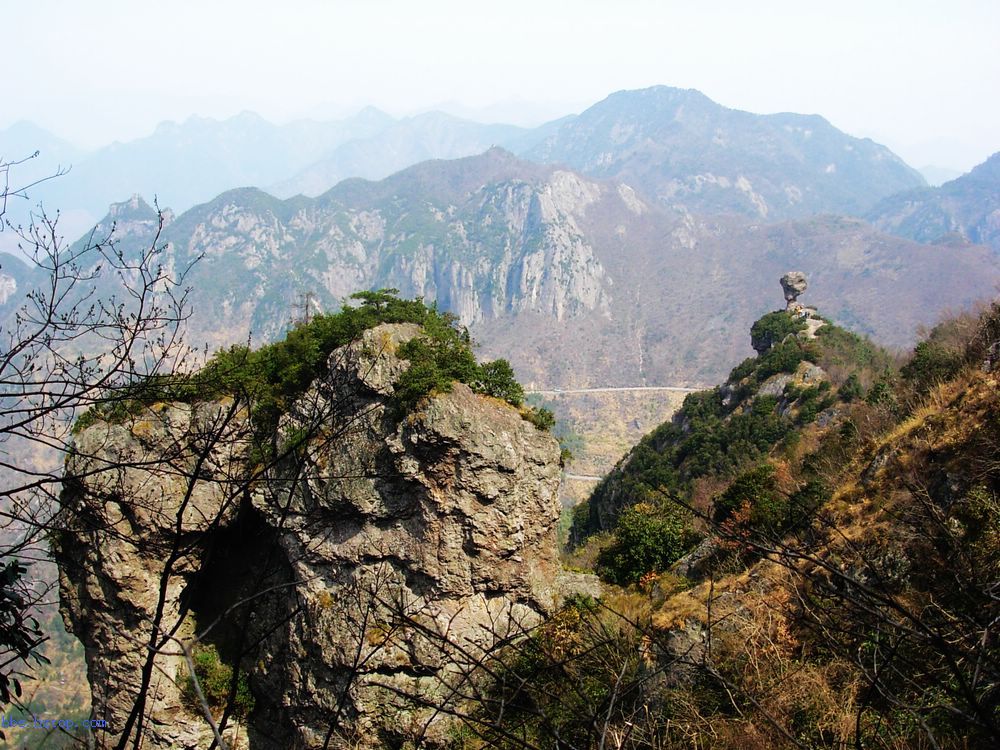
x=754 y=487
x=770 y=511
x=539 y=416
x=931 y=364
x=784 y=357
x=851 y=389
x=804 y=502
x=570 y=442
x=743 y=369
x=840 y=347
x=774 y=328
x=436 y=361
x=812 y=400
x=215 y=678
x=882 y=394
x=644 y=540
x=497 y=379
x=272 y=377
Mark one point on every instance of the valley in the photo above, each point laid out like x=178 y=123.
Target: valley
x=599 y=425
x=490 y=435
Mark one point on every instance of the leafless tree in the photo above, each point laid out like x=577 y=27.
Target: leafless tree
x=99 y=320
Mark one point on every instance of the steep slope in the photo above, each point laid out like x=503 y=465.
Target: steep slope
x=682 y=149
x=967 y=209
x=844 y=589
x=579 y=282
x=718 y=433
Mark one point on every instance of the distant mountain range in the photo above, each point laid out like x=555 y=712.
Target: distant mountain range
x=676 y=146
x=623 y=246
x=681 y=148
x=578 y=281
x=187 y=163
x=967 y=209
x=184 y=164
x=433 y=135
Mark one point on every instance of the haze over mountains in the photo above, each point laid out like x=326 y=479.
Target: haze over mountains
x=433 y=135
x=964 y=209
x=631 y=244
x=675 y=144
x=580 y=282
x=182 y=163
x=680 y=147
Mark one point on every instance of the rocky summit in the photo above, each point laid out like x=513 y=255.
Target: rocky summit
x=351 y=576
x=793 y=284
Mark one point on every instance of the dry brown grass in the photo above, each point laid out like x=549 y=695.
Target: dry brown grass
x=704 y=490
x=584 y=557
x=775 y=675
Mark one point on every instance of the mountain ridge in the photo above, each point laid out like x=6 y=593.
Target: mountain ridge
x=578 y=281
x=680 y=147
x=967 y=206
x=677 y=146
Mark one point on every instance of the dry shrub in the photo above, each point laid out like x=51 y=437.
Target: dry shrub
x=954 y=330
x=623 y=608
x=584 y=557
x=703 y=492
x=869 y=422
x=784 y=479
x=817 y=702
x=983 y=345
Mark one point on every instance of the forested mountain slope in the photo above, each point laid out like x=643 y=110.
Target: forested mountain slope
x=578 y=281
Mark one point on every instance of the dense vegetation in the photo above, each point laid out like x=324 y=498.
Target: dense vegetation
x=718 y=434
x=215 y=678
x=272 y=377
x=848 y=596
x=774 y=328
x=644 y=540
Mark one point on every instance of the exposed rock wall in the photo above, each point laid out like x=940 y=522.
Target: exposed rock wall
x=365 y=568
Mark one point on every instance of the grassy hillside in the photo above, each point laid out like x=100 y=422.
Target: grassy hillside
x=843 y=591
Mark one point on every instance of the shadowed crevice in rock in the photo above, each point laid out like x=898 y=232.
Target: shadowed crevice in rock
x=352 y=580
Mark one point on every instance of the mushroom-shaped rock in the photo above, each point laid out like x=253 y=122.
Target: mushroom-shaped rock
x=793 y=284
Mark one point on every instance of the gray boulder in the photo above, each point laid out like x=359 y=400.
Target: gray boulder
x=793 y=284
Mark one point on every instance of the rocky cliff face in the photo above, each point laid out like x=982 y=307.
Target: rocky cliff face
x=578 y=281
x=486 y=237
x=361 y=570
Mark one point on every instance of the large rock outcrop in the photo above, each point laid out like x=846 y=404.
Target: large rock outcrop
x=793 y=284
x=353 y=578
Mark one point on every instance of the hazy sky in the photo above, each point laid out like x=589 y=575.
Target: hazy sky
x=923 y=77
